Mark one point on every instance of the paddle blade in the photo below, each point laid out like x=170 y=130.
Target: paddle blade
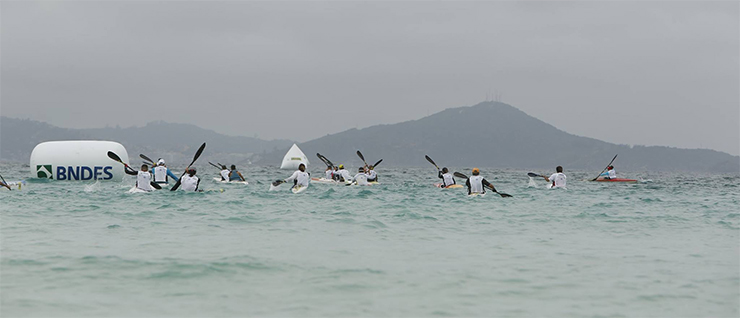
x=504 y=195
x=277 y=183
x=533 y=175
x=142 y=156
x=460 y=175
x=198 y=153
x=155 y=185
x=431 y=161
x=359 y=154
x=114 y=156
x=377 y=163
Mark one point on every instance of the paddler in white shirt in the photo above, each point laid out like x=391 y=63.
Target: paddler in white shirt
x=225 y=173
x=476 y=183
x=361 y=178
x=329 y=173
x=344 y=174
x=447 y=178
x=557 y=178
x=372 y=176
x=190 y=182
x=161 y=173
x=608 y=174
x=300 y=177
x=143 y=178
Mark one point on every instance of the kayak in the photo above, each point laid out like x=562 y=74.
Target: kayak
x=231 y=182
x=324 y=181
x=617 y=180
x=137 y=190
x=477 y=195
x=368 y=184
x=452 y=186
x=298 y=189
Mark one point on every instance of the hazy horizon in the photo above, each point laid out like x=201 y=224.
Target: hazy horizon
x=657 y=73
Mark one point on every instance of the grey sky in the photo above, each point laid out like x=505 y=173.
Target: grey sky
x=653 y=73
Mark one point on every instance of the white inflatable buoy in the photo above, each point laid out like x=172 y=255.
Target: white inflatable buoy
x=77 y=160
x=293 y=158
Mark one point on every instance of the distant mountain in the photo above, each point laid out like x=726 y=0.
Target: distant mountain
x=493 y=134
x=174 y=142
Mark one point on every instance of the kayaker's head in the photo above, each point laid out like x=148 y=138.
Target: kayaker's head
x=160 y=162
x=144 y=167
x=361 y=169
x=476 y=171
x=336 y=168
x=192 y=171
x=233 y=167
x=328 y=168
x=371 y=167
x=610 y=167
x=302 y=167
x=559 y=169
x=444 y=170
x=223 y=167
x=341 y=166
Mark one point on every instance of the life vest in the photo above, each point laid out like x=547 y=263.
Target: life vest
x=144 y=180
x=160 y=174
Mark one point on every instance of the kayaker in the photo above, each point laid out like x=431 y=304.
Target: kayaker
x=300 y=177
x=335 y=175
x=361 y=178
x=372 y=176
x=476 y=183
x=143 y=178
x=224 y=173
x=609 y=173
x=447 y=178
x=557 y=178
x=161 y=173
x=344 y=174
x=329 y=173
x=190 y=182
x=235 y=175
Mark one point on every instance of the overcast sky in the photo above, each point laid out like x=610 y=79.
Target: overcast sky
x=650 y=73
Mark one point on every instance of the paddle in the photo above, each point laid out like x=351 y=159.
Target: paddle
x=377 y=163
x=325 y=160
x=607 y=167
x=503 y=195
x=534 y=175
x=197 y=154
x=431 y=161
x=115 y=157
x=359 y=154
x=6 y=183
x=146 y=158
x=217 y=167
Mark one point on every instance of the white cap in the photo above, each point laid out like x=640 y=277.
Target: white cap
x=160 y=162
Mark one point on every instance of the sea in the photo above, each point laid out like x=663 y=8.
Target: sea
x=667 y=246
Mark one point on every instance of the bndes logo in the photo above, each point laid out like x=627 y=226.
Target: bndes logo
x=75 y=172
x=44 y=171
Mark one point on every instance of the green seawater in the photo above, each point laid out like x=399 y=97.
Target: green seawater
x=669 y=247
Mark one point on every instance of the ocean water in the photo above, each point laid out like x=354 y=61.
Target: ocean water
x=669 y=247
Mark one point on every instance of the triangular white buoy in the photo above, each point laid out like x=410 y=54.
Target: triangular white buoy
x=293 y=158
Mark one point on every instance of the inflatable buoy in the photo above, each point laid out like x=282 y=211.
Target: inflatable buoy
x=77 y=160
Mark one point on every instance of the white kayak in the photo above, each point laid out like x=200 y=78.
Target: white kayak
x=298 y=189
x=324 y=181
x=134 y=189
x=477 y=195
x=231 y=182
x=368 y=184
